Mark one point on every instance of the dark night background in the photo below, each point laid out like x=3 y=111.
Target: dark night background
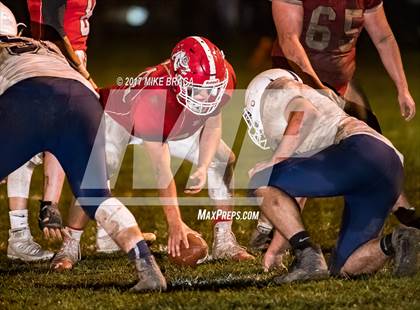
x=223 y=19
x=243 y=29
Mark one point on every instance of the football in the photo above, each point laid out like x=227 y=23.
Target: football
x=196 y=253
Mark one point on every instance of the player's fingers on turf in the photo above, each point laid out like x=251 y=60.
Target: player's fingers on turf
x=58 y=234
x=170 y=249
x=46 y=233
x=177 y=248
x=52 y=233
x=174 y=246
x=185 y=239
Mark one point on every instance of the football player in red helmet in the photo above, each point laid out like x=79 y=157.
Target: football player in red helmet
x=201 y=84
x=175 y=109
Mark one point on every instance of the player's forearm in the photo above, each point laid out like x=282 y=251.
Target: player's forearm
x=66 y=48
x=161 y=163
x=209 y=141
x=68 y=51
x=299 y=61
x=288 y=19
x=300 y=124
x=377 y=26
x=169 y=201
x=391 y=59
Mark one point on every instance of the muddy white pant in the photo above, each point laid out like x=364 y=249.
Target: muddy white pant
x=117 y=139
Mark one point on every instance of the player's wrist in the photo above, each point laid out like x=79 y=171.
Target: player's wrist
x=203 y=167
x=403 y=90
x=174 y=222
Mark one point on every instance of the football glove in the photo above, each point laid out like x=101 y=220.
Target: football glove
x=49 y=216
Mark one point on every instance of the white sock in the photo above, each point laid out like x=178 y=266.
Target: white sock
x=18 y=219
x=75 y=234
x=224 y=225
x=264 y=226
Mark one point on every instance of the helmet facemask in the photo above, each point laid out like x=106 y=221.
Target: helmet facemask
x=255 y=129
x=201 y=99
x=201 y=75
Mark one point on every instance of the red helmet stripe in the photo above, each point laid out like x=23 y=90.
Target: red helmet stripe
x=209 y=55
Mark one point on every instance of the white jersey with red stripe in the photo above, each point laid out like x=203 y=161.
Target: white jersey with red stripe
x=23 y=58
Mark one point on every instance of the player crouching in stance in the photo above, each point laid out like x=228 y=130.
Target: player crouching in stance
x=320 y=151
x=181 y=119
x=45 y=105
x=21 y=244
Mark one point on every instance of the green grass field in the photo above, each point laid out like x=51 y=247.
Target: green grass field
x=102 y=282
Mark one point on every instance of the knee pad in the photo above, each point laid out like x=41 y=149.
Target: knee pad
x=114 y=217
x=19 y=181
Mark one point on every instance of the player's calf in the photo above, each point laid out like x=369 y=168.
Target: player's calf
x=402 y=245
x=122 y=227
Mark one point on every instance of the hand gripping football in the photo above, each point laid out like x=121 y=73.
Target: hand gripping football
x=195 y=254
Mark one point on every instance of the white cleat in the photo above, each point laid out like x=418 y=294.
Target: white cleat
x=104 y=244
x=68 y=255
x=225 y=245
x=22 y=246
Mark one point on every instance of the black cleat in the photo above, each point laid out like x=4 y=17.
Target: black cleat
x=309 y=265
x=405 y=242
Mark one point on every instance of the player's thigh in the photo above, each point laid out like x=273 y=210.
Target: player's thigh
x=324 y=174
x=21 y=130
x=186 y=149
x=364 y=215
x=116 y=142
x=81 y=147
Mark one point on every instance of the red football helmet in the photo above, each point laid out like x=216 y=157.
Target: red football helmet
x=200 y=70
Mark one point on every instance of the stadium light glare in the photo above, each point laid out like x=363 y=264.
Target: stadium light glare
x=136 y=16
